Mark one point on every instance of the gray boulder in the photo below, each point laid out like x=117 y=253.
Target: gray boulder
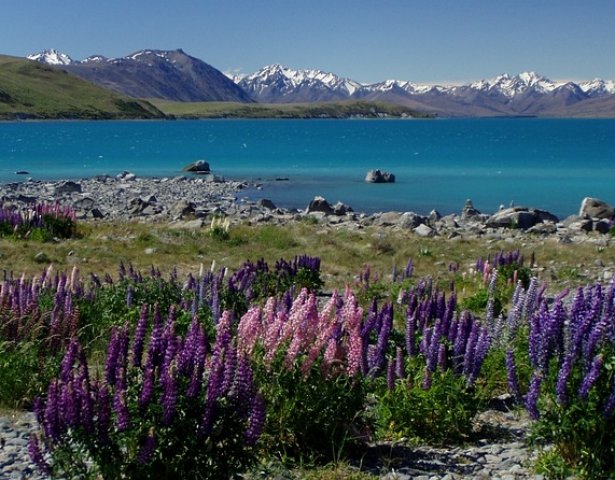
x=341 y=209
x=424 y=231
x=410 y=220
x=266 y=203
x=602 y=226
x=182 y=209
x=68 y=187
x=596 y=208
x=378 y=176
x=200 y=166
x=582 y=224
x=387 y=219
x=469 y=212
x=319 y=204
x=519 y=217
x=85 y=203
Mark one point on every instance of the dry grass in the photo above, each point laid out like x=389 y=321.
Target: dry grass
x=101 y=246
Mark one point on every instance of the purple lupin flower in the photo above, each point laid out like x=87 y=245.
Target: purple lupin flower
x=592 y=376
x=82 y=390
x=52 y=426
x=411 y=334
x=468 y=358
x=432 y=350
x=244 y=387
x=147 y=389
x=69 y=359
x=230 y=365
x=103 y=406
x=442 y=356
x=609 y=405
x=122 y=416
x=70 y=405
x=113 y=354
x=256 y=422
x=531 y=400
x=480 y=353
x=562 y=379
x=169 y=397
x=147 y=448
x=140 y=331
x=200 y=351
x=34 y=449
x=511 y=373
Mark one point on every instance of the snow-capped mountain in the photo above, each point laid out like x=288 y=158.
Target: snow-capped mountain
x=277 y=83
x=527 y=93
x=598 y=88
x=51 y=57
x=511 y=86
x=166 y=74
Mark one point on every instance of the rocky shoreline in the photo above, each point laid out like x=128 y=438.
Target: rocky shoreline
x=193 y=201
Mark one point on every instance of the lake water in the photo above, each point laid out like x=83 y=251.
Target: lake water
x=543 y=163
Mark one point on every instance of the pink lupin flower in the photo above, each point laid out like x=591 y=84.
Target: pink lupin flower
x=249 y=331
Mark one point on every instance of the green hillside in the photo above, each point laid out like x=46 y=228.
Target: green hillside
x=31 y=90
x=344 y=109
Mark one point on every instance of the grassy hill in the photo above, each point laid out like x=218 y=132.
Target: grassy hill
x=31 y=90
x=343 y=109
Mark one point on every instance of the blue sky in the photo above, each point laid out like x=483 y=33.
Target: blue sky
x=432 y=41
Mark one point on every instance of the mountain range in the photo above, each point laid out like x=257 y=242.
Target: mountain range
x=174 y=75
x=525 y=94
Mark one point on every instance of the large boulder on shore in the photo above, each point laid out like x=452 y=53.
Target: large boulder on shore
x=377 y=176
x=319 y=204
x=68 y=187
x=519 y=217
x=200 y=166
x=596 y=208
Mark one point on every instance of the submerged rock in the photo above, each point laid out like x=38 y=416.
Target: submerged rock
x=377 y=176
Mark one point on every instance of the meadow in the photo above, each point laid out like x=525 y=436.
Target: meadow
x=153 y=352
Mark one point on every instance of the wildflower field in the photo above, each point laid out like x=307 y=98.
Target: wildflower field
x=140 y=374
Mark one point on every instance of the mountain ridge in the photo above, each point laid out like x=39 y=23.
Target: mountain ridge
x=30 y=90
x=151 y=73
x=176 y=76
x=526 y=93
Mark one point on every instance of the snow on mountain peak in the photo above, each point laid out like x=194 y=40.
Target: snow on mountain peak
x=293 y=79
x=51 y=57
x=512 y=85
x=598 y=87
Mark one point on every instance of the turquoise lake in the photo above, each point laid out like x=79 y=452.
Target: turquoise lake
x=543 y=163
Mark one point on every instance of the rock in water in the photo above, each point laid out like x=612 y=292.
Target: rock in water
x=596 y=208
x=200 y=166
x=377 y=176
